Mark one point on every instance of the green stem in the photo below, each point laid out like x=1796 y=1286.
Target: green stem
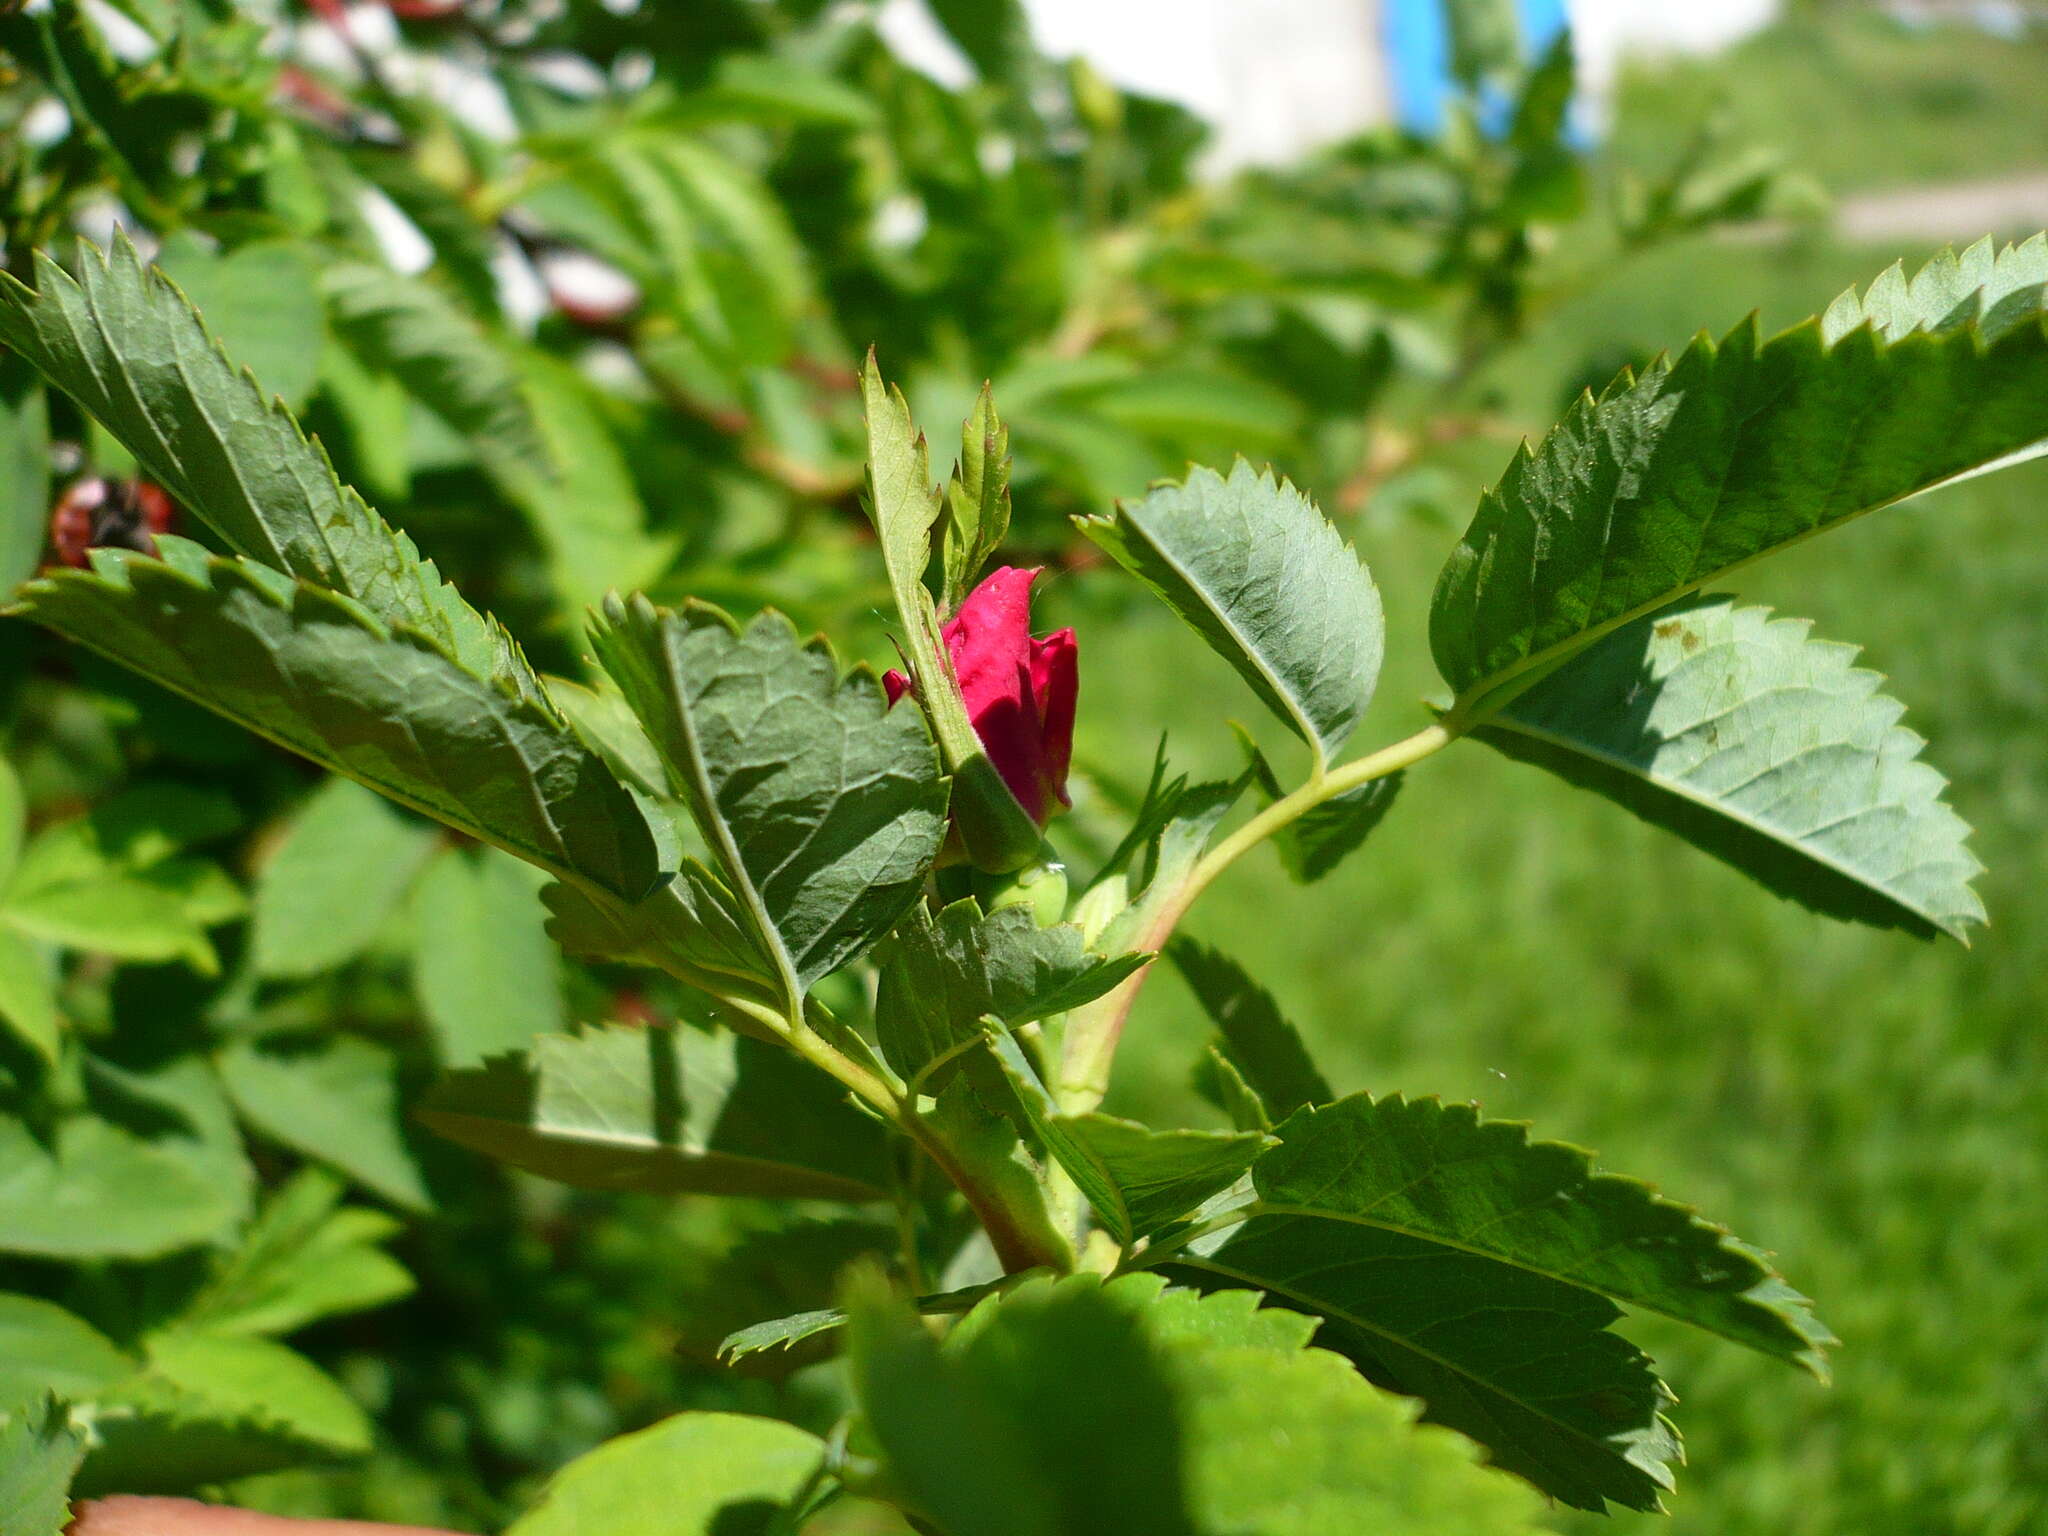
x=1094 y=1032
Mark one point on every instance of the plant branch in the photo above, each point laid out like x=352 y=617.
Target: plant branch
x=1094 y=1032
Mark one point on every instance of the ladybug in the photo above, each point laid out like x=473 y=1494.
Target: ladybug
x=95 y=513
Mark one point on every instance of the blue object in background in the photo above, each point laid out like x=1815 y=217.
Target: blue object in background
x=1419 y=55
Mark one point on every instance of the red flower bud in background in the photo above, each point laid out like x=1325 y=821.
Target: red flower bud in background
x=109 y=514
x=1020 y=692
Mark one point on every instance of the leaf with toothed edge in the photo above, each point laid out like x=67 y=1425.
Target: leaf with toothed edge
x=823 y=808
x=1251 y=565
x=1672 y=479
x=40 y=1451
x=314 y=671
x=671 y=1110
x=1766 y=748
x=124 y=343
x=1461 y=1262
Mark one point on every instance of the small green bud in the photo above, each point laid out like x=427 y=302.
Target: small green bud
x=1041 y=886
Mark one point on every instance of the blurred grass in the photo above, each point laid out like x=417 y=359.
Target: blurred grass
x=1867 y=1107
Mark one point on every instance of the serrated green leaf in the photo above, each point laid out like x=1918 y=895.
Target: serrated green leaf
x=488 y=979
x=1138 y=1180
x=1768 y=749
x=1264 y=1048
x=904 y=507
x=343 y=837
x=314 y=672
x=1671 y=480
x=209 y=1408
x=666 y=1110
x=1460 y=1262
x=779 y=1333
x=24 y=472
x=823 y=808
x=412 y=330
x=40 y=1449
x=1251 y=565
x=977 y=498
x=696 y=1474
x=335 y=1100
x=941 y=977
x=1225 y=1423
x=690 y=926
x=129 y=349
x=45 y=1349
x=1984 y=287
x=98 y=1191
x=305 y=1258
x=262 y=301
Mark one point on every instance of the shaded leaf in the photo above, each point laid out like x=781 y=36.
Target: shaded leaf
x=28 y=1000
x=1265 y=1049
x=314 y=672
x=24 y=473
x=487 y=977
x=666 y=1110
x=98 y=1191
x=822 y=807
x=343 y=838
x=335 y=1100
x=1671 y=480
x=941 y=977
x=1768 y=749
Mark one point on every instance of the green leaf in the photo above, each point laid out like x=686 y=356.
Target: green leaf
x=335 y=1100
x=305 y=1258
x=127 y=346
x=779 y=1333
x=24 y=473
x=98 y=1191
x=1987 y=288
x=1251 y=565
x=1460 y=1262
x=582 y=502
x=40 y=1450
x=13 y=821
x=691 y=926
x=822 y=807
x=695 y=1474
x=157 y=913
x=412 y=330
x=977 y=498
x=487 y=977
x=314 y=672
x=343 y=838
x=262 y=301
x=904 y=507
x=1265 y=1049
x=1672 y=480
x=1768 y=749
x=667 y=1111
x=210 y=1408
x=45 y=1349
x=1224 y=1423
x=28 y=1000
x=1138 y=1180
x=994 y=34
x=940 y=978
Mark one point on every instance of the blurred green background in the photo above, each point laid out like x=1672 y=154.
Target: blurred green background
x=1868 y=1108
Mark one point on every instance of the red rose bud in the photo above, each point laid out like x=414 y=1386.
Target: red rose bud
x=1019 y=692
x=109 y=514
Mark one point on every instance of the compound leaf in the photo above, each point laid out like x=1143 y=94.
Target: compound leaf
x=667 y=1111
x=1767 y=748
x=1261 y=575
x=1671 y=480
